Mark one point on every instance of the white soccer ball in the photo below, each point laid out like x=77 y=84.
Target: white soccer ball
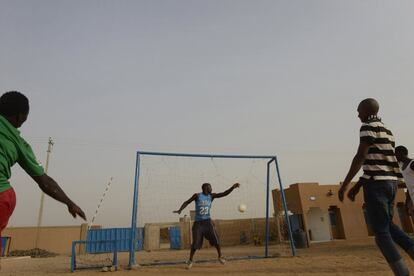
x=242 y=208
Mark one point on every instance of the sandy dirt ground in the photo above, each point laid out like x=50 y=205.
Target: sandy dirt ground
x=332 y=258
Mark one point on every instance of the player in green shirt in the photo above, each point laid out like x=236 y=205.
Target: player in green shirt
x=14 y=109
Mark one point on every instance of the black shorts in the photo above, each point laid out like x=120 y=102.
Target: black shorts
x=204 y=229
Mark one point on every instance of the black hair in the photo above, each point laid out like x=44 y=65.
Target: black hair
x=204 y=186
x=13 y=103
x=402 y=150
x=370 y=105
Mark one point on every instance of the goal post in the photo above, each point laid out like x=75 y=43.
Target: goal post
x=271 y=161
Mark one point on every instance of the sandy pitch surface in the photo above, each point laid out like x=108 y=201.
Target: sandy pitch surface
x=332 y=258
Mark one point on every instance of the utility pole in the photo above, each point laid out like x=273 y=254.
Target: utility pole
x=42 y=196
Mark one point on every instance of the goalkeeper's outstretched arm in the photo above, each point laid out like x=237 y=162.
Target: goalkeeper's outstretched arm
x=191 y=199
x=226 y=192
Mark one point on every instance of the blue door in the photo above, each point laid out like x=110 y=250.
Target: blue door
x=175 y=237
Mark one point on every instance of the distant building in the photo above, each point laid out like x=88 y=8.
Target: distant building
x=317 y=210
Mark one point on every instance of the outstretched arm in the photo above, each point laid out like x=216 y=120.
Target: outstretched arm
x=191 y=199
x=356 y=165
x=226 y=192
x=52 y=189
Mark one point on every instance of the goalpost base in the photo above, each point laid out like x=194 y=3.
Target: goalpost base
x=229 y=259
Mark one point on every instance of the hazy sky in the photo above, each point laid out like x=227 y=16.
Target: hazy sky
x=106 y=78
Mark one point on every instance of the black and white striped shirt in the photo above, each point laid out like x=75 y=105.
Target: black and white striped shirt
x=380 y=163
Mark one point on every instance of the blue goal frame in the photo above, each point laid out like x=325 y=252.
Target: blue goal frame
x=271 y=159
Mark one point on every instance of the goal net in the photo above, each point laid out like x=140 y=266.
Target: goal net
x=164 y=181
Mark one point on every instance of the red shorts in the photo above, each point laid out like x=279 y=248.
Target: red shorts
x=7 y=204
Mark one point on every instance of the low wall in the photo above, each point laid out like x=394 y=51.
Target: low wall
x=57 y=239
x=234 y=232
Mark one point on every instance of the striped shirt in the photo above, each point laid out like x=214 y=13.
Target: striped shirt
x=380 y=163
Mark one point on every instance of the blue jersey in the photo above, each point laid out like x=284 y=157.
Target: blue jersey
x=202 y=207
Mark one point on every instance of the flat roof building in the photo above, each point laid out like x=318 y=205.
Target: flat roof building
x=317 y=210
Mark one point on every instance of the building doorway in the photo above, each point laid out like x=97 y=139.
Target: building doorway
x=319 y=226
x=337 y=227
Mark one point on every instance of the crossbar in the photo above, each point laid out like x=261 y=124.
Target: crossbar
x=206 y=155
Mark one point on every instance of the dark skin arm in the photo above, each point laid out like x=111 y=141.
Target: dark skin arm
x=226 y=192
x=356 y=165
x=352 y=193
x=52 y=189
x=185 y=204
x=213 y=196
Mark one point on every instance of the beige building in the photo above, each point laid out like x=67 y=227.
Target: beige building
x=317 y=210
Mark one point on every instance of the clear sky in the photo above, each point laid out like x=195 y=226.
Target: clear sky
x=106 y=78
